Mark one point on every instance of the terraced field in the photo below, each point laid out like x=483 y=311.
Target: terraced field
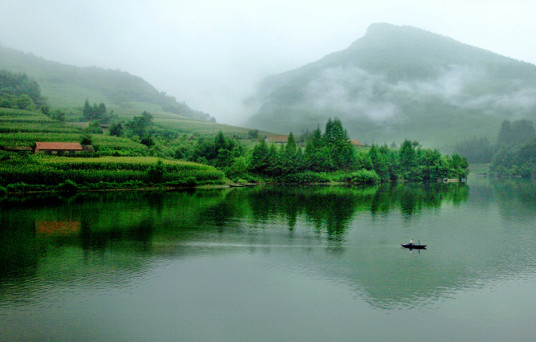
x=108 y=165
x=24 y=128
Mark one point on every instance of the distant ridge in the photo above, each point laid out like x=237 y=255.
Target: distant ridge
x=400 y=82
x=69 y=86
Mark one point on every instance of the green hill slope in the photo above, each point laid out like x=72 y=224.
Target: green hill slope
x=69 y=86
x=402 y=82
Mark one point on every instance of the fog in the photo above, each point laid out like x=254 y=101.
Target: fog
x=336 y=88
x=352 y=92
x=212 y=54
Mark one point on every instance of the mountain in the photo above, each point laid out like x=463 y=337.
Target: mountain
x=400 y=82
x=69 y=86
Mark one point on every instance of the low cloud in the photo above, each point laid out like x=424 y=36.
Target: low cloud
x=351 y=92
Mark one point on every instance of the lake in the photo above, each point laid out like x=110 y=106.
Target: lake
x=272 y=263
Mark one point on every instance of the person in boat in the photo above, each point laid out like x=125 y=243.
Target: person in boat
x=419 y=242
x=411 y=241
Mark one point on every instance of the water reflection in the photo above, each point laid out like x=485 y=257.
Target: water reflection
x=348 y=234
x=92 y=221
x=517 y=198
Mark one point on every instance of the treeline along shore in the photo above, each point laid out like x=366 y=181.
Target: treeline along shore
x=89 y=148
x=320 y=157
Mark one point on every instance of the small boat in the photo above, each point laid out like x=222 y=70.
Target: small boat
x=413 y=246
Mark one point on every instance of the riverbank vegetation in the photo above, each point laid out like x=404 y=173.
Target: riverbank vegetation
x=140 y=151
x=39 y=172
x=143 y=155
x=330 y=156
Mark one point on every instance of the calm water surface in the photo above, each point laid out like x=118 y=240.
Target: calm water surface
x=272 y=264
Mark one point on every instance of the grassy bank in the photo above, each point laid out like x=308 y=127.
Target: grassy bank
x=36 y=172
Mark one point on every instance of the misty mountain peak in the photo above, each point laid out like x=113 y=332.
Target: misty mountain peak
x=385 y=30
x=380 y=29
x=400 y=81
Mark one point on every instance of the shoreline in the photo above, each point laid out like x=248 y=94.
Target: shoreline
x=227 y=185
x=145 y=188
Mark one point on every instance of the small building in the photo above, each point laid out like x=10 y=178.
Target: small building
x=356 y=143
x=57 y=147
x=277 y=139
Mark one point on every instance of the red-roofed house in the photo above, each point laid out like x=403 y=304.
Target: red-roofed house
x=57 y=147
x=356 y=143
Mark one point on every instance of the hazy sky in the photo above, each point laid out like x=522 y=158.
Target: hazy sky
x=211 y=53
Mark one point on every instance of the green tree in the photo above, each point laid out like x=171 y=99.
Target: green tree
x=13 y=85
x=24 y=101
x=253 y=134
x=336 y=139
x=147 y=141
x=258 y=162
x=116 y=129
x=155 y=173
x=275 y=168
x=87 y=111
x=458 y=166
x=407 y=154
x=516 y=133
x=476 y=150
x=220 y=142
x=94 y=128
x=291 y=145
x=315 y=142
x=379 y=163
x=95 y=112
x=139 y=125
x=45 y=109
x=432 y=166
x=58 y=115
x=86 y=139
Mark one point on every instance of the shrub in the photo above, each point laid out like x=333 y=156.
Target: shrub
x=94 y=128
x=155 y=173
x=306 y=177
x=186 y=181
x=68 y=186
x=361 y=177
x=86 y=140
x=147 y=141
x=18 y=187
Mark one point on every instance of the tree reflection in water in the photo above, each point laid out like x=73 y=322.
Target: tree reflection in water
x=332 y=208
x=131 y=225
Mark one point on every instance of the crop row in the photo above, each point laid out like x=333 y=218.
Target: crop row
x=102 y=141
x=10 y=127
x=30 y=138
x=41 y=174
x=17 y=112
x=119 y=163
x=25 y=119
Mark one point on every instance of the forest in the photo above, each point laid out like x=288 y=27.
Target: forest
x=19 y=91
x=513 y=154
x=326 y=157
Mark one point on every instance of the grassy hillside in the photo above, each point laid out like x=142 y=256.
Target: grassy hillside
x=402 y=82
x=67 y=87
x=117 y=162
x=103 y=172
x=24 y=128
